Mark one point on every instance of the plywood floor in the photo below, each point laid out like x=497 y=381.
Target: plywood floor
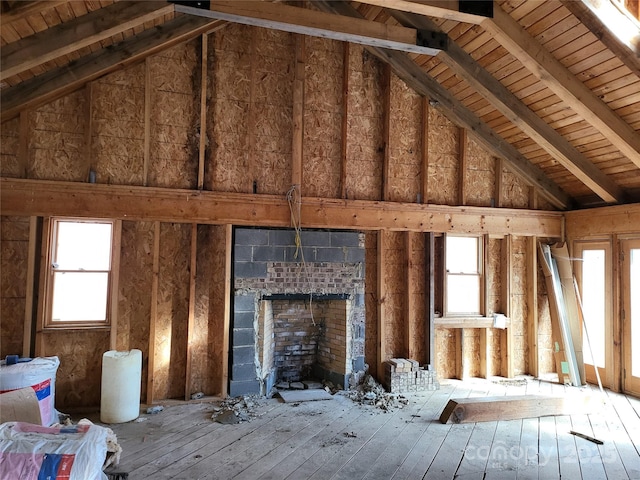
x=342 y=439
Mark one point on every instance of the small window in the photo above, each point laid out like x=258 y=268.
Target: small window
x=463 y=276
x=80 y=273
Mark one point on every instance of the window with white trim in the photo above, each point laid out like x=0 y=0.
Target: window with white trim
x=463 y=276
x=80 y=273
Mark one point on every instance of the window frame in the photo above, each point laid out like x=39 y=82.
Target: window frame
x=480 y=274
x=111 y=294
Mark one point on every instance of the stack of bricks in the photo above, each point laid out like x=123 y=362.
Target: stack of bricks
x=402 y=375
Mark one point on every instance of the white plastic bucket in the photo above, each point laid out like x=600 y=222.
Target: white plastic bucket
x=39 y=374
x=120 y=393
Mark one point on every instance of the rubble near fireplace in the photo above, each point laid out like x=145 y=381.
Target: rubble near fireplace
x=298 y=309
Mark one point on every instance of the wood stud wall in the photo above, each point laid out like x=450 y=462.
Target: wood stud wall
x=252 y=110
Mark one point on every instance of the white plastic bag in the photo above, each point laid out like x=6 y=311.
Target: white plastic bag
x=29 y=452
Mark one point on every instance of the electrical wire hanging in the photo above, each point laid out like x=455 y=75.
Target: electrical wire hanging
x=294 y=199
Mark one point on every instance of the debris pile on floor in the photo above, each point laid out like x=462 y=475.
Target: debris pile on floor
x=370 y=392
x=237 y=409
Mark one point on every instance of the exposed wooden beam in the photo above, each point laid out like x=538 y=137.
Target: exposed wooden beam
x=381 y=292
x=429 y=272
x=409 y=304
x=56 y=83
x=278 y=16
x=604 y=221
x=226 y=321
x=421 y=82
x=154 y=313
x=41 y=197
x=78 y=33
x=115 y=285
x=507 y=343
x=191 y=320
x=532 y=304
x=486 y=350
x=520 y=115
x=445 y=9
x=29 y=287
x=563 y=83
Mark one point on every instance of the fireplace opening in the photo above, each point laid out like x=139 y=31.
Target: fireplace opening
x=305 y=339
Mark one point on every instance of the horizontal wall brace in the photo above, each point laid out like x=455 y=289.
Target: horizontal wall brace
x=52 y=198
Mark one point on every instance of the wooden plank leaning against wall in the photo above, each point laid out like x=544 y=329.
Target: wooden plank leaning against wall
x=160 y=174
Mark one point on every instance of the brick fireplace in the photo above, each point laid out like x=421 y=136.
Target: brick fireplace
x=294 y=319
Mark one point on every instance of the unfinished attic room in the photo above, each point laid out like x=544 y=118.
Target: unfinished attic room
x=321 y=239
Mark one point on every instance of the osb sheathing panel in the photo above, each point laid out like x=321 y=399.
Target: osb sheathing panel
x=11 y=326
x=229 y=66
x=445 y=346
x=240 y=156
x=56 y=140
x=480 y=176
x=79 y=375
x=519 y=309
x=405 y=140
x=14 y=248
x=515 y=192
x=494 y=340
x=117 y=110
x=395 y=291
x=417 y=315
x=175 y=116
x=134 y=296
x=443 y=159
x=207 y=341
x=322 y=117
x=9 y=161
x=365 y=142
x=270 y=161
x=172 y=311
x=371 y=301
x=471 y=352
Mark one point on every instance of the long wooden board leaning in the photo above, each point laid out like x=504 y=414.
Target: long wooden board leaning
x=487 y=409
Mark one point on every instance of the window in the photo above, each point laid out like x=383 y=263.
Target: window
x=594 y=305
x=80 y=273
x=463 y=275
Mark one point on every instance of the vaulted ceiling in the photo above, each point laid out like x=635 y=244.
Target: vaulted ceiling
x=542 y=84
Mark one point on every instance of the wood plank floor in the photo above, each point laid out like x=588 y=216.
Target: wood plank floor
x=342 y=439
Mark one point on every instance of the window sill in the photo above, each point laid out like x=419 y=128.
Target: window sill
x=84 y=326
x=466 y=322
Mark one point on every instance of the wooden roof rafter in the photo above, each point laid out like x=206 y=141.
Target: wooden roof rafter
x=78 y=33
x=563 y=83
x=512 y=36
x=55 y=83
